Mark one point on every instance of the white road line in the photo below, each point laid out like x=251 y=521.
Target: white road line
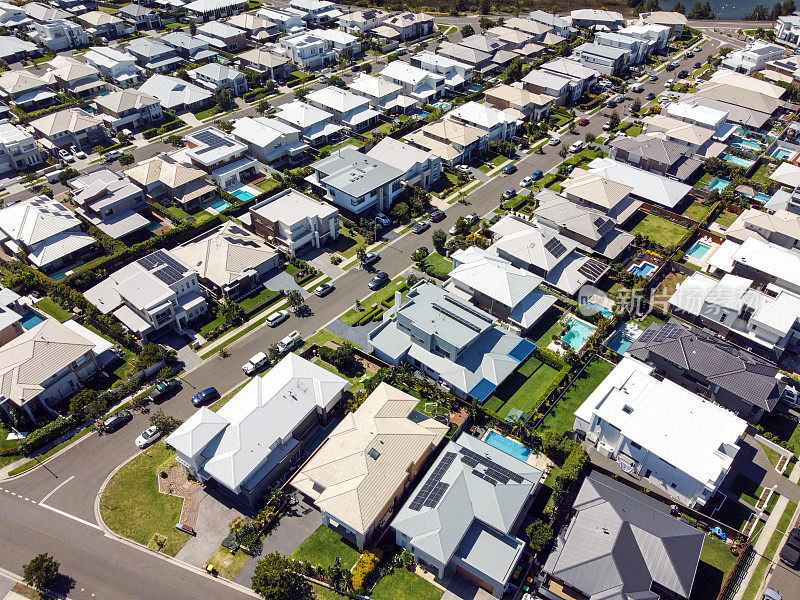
x=69 y=516
x=58 y=487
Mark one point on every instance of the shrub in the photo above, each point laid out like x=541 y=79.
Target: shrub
x=556 y=446
x=47 y=433
x=366 y=564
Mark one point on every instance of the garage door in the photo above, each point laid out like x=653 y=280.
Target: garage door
x=474 y=579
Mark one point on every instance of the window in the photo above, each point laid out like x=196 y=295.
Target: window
x=635 y=445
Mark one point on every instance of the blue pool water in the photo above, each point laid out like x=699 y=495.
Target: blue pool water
x=422 y=114
x=643 y=270
x=718 y=184
x=736 y=160
x=58 y=276
x=578 y=333
x=620 y=341
x=219 y=205
x=748 y=144
x=508 y=446
x=781 y=153
x=243 y=195
x=761 y=197
x=30 y=320
x=698 y=250
x=599 y=308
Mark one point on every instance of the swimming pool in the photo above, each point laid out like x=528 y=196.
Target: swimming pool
x=219 y=205
x=508 y=446
x=593 y=306
x=748 y=144
x=422 y=114
x=782 y=153
x=761 y=197
x=718 y=184
x=30 y=320
x=577 y=334
x=643 y=269
x=620 y=341
x=242 y=195
x=736 y=160
x=698 y=250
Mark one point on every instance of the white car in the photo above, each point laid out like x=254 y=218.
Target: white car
x=668 y=83
x=526 y=181
x=553 y=141
x=576 y=147
x=607 y=126
x=64 y=155
x=277 y=318
x=255 y=363
x=288 y=343
x=463 y=168
x=149 y=435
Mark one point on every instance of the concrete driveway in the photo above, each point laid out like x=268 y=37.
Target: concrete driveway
x=283 y=281
x=459 y=588
x=212 y=528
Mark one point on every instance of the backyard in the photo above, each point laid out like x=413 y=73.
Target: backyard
x=546 y=328
x=716 y=562
x=725 y=219
x=523 y=390
x=49 y=307
x=697 y=211
x=658 y=230
x=561 y=418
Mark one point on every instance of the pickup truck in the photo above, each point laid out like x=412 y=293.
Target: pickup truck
x=255 y=363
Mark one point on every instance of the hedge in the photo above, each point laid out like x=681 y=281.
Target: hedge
x=47 y=433
x=548 y=357
x=366 y=564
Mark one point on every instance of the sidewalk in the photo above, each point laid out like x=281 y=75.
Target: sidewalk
x=761 y=544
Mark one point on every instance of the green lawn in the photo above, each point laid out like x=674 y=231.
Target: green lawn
x=725 y=218
x=323 y=547
x=773 y=456
x=785 y=429
x=261 y=299
x=546 y=328
x=267 y=185
x=405 y=585
x=523 y=390
x=176 y=213
x=716 y=562
x=772 y=547
x=562 y=416
x=438 y=266
x=347 y=243
x=647 y=321
x=132 y=506
x=760 y=176
x=746 y=489
x=660 y=230
x=54 y=310
x=703 y=181
x=227 y=564
x=386 y=292
x=205 y=114
x=697 y=211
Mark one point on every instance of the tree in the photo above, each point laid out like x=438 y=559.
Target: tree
x=263 y=106
x=439 y=240
x=79 y=402
x=467 y=30
x=614 y=119
x=367 y=68
x=679 y=7
x=230 y=313
x=539 y=534
x=192 y=28
x=419 y=255
x=295 y=299
x=462 y=226
x=760 y=13
x=253 y=79
x=337 y=81
x=486 y=23
x=563 y=152
x=126 y=159
x=361 y=252
x=274 y=579
x=224 y=99
x=41 y=572
x=300 y=93
x=590 y=137
x=166 y=424
x=400 y=211
x=175 y=140
x=636 y=105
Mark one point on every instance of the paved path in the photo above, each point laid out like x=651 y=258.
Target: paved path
x=357 y=335
x=283 y=281
x=761 y=544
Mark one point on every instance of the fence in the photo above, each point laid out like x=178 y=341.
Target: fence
x=736 y=575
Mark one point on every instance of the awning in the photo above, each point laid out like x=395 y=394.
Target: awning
x=132 y=321
x=199 y=189
x=89 y=85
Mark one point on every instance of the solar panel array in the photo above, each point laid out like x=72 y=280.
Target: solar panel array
x=647 y=335
x=668 y=331
x=212 y=140
x=555 y=247
x=434 y=488
x=163 y=266
x=603 y=225
x=492 y=469
x=592 y=269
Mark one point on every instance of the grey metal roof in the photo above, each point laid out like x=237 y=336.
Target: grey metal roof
x=745 y=376
x=355 y=173
x=620 y=541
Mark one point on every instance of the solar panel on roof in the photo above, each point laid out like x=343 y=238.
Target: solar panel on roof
x=163 y=266
x=592 y=269
x=212 y=140
x=646 y=336
x=555 y=247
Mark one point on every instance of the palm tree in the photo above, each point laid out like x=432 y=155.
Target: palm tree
x=518 y=428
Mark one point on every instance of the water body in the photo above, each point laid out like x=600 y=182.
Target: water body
x=726 y=9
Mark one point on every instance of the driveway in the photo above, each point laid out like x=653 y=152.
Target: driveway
x=292 y=530
x=460 y=588
x=283 y=281
x=357 y=335
x=186 y=355
x=212 y=527
x=320 y=258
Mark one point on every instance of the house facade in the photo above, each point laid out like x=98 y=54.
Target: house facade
x=129 y=109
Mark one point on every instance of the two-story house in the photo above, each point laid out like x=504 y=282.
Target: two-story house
x=787 y=29
x=637 y=49
x=520 y=102
x=212 y=10
x=68 y=127
x=455 y=143
x=141 y=17
x=18 y=149
x=60 y=34
x=177 y=94
x=421 y=168
x=307 y=50
x=317 y=11
x=348 y=109
x=457 y=75
x=753 y=57
x=116 y=65
x=216 y=77
x=154 y=55
x=362 y=21
x=257 y=29
x=287 y=20
x=410 y=26
x=271 y=141
x=189 y=47
x=381 y=93
x=316 y=126
x=25 y=90
x=656 y=155
x=345 y=45
x=171 y=182
x=128 y=109
x=102 y=24
x=74 y=77
x=606 y=59
x=267 y=64
x=420 y=84
x=563 y=78
x=218 y=154
x=223 y=36
x=497 y=124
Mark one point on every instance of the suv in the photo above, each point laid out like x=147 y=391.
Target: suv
x=163 y=388
x=436 y=216
x=119 y=419
x=112 y=156
x=255 y=363
x=420 y=227
x=370 y=257
x=383 y=219
x=576 y=147
x=288 y=343
x=324 y=289
x=381 y=278
x=790 y=555
x=207 y=395
x=277 y=318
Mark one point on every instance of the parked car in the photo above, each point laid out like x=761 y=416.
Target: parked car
x=650 y=96
x=381 y=278
x=526 y=181
x=537 y=174
x=289 y=343
x=149 y=435
x=510 y=170
x=383 y=219
x=509 y=193
x=204 y=396
x=116 y=421
x=637 y=88
x=653 y=77
x=790 y=554
x=277 y=318
x=607 y=126
x=576 y=147
x=553 y=141
x=77 y=152
x=472 y=218
x=421 y=227
x=463 y=168
x=610 y=104
x=771 y=594
x=690 y=54
x=436 y=216
x=697 y=65
x=324 y=289
x=370 y=257
x=66 y=156
x=583 y=122
x=113 y=155
x=453 y=230
x=255 y=363
x=668 y=83
x=164 y=388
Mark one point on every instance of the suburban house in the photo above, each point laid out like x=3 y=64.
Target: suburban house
x=344 y=44
x=68 y=127
x=25 y=90
x=771 y=266
x=230 y=262
x=455 y=143
x=168 y=181
x=674 y=20
x=645 y=186
x=317 y=11
x=268 y=64
x=116 y=65
x=709 y=367
x=781 y=227
x=457 y=75
x=637 y=49
x=704 y=116
x=465 y=514
x=307 y=50
x=128 y=109
x=10 y=316
x=608 y=60
x=316 y=126
x=564 y=79
x=497 y=124
x=60 y=34
x=102 y=24
x=753 y=57
x=210 y=10
x=255 y=437
x=593 y=229
x=421 y=168
x=493 y=284
x=110 y=202
x=43 y=366
x=356 y=182
x=450 y=340
x=639 y=550
x=141 y=17
x=519 y=102
x=14 y=49
x=177 y=94
x=18 y=148
x=287 y=20
x=45 y=231
x=270 y=141
x=601 y=193
x=151 y=295
x=695 y=138
x=655 y=37
x=348 y=109
x=787 y=29
x=74 y=77
x=221 y=36
x=680 y=443
x=420 y=84
x=481 y=62
x=42 y=13
x=257 y=28
x=218 y=154
x=380 y=93
x=359 y=473
x=153 y=54
x=657 y=155
x=216 y=77
x=732 y=88
x=12 y=17
x=292 y=221
x=587 y=18
x=410 y=26
x=559 y=25
x=362 y=21
x=544 y=252
x=188 y=46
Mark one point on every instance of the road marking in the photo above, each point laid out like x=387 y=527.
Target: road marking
x=58 y=487
x=69 y=516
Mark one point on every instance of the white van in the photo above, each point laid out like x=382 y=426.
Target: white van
x=637 y=87
x=255 y=363
x=576 y=147
x=52 y=177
